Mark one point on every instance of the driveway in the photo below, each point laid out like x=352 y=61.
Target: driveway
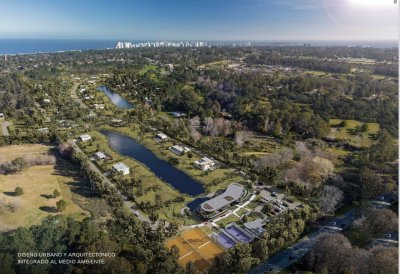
x=4 y=128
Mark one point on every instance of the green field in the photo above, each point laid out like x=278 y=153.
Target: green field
x=38 y=184
x=349 y=132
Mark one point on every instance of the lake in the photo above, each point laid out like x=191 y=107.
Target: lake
x=115 y=97
x=127 y=146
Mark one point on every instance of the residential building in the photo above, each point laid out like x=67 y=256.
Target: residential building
x=204 y=163
x=179 y=150
x=100 y=156
x=161 y=137
x=43 y=130
x=121 y=168
x=85 y=137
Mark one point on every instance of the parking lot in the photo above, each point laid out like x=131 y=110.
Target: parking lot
x=279 y=201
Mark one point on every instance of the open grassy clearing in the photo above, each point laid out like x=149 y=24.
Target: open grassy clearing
x=230 y=219
x=348 y=132
x=9 y=153
x=38 y=184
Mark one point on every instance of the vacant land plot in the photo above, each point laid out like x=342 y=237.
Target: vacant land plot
x=350 y=131
x=196 y=247
x=38 y=184
x=9 y=153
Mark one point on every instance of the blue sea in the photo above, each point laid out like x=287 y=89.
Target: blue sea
x=23 y=46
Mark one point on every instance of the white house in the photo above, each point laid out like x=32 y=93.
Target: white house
x=1 y=116
x=161 y=137
x=204 y=163
x=43 y=130
x=85 y=137
x=100 y=156
x=47 y=101
x=121 y=167
x=99 y=106
x=179 y=150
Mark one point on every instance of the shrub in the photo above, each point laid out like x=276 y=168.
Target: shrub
x=56 y=193
x=18 y=191
x=61 y=205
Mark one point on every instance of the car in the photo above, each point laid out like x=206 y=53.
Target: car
x=274 y=194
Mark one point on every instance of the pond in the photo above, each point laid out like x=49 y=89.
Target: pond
x=127 y=146
x=193 y=205
x=115 y=98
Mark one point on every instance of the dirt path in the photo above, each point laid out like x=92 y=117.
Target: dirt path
x=4 y=128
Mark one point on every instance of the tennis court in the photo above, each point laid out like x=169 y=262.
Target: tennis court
x=238 y=233
x=196 y=247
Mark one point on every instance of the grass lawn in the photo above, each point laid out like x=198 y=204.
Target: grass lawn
x=242 y=211
x=38 y=184
x=230 y=219
x=361 y=139
x=316 y=72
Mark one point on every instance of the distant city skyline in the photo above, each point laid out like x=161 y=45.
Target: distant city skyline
x=218 y=20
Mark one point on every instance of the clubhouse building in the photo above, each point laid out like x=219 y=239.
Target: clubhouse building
x=234 y=193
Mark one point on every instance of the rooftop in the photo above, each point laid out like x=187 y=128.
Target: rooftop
x=233 y=193
x=162 y=136
x=120 y=167
x=255 y=226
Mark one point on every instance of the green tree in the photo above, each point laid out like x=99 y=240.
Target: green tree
x=384 y=150
x=61 y=205
x=18 y=191
x=56 y=193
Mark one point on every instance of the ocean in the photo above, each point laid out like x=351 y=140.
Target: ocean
x=27 y=46
x=23 y=46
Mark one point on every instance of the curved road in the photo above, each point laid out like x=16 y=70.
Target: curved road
x=292 y=254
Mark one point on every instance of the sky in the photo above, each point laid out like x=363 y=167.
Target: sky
x=263 y=20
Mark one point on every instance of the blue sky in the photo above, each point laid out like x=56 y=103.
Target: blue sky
x=200 y=19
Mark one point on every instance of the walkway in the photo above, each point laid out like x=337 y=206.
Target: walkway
x=4 y=128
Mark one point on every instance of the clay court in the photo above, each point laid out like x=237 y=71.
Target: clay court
x=195 y=246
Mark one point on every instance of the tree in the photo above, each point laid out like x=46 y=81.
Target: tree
x=260 y=247
x=196 y=136
x=372 y=185
x=242 y=137
x=66 y=150
x=310 y=171
x=61 y=205
x=329 y=198
x=18 y=191
x=384 y=149
x=56 y=193
x=383 y=260
x=236 y=260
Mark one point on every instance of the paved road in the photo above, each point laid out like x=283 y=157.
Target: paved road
x=4 y=128
x=75 y=96
x=292 y=254
x=130 y=205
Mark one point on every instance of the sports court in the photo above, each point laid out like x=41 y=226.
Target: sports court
x=195 y=246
